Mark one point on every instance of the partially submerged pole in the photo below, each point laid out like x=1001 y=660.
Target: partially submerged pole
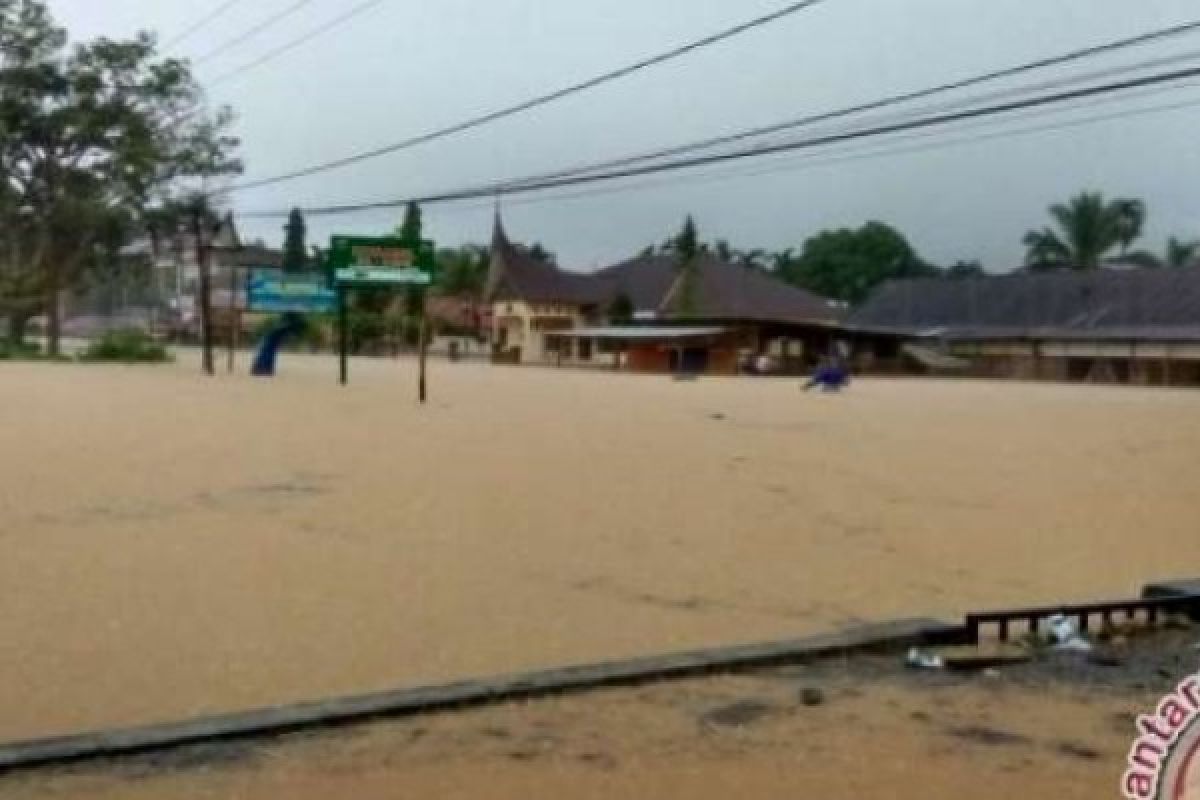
x=235 y=318
x=203 y=247
x=423 y=358
x=343 y=336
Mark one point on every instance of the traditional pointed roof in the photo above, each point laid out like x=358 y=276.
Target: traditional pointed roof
x=513 y=274
x=722 y=291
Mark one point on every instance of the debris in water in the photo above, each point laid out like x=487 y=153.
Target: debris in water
x=1065 y=635
x=918 y=659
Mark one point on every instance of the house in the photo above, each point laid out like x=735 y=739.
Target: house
x=1126 y=326
x=729 y=313
x=531 y=299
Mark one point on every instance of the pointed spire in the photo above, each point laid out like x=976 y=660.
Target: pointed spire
x=499 y=235
x=501 y=254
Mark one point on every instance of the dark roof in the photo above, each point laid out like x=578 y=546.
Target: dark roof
x=516 y=275
x=1101 y=304
x=249 y=256
x=724 y=291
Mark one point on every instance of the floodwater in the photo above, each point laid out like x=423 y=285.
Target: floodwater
x=746 y=737
x=177 y=546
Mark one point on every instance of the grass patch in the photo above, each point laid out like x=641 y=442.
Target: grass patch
x=21 y=351
x=125 y=347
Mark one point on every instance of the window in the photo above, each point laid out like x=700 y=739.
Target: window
x=585 y=349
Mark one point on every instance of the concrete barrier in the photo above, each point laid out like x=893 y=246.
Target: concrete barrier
x=413 y=702
x=264 y=723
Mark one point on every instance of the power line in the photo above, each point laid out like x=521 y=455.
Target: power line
x=1068 y=58
x=269 y=22
x=271 y=55
x=807 y=161
x=537 y=102
x=522 y=187
x=886 y=102
x=195 y=28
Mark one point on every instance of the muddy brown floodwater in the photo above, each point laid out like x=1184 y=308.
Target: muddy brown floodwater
x=176 y=546
x=1056 y=729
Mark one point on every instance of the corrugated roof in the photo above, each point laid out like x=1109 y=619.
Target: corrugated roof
x=1162 y=304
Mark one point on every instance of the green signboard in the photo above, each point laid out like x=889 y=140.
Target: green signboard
x=381 y=261
x=388 y=262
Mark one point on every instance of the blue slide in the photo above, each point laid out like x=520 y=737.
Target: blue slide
x=829 y=378
x=268 y=351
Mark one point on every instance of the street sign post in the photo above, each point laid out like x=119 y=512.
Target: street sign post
x=390 y=262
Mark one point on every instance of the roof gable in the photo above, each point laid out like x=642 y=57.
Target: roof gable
x=513 y=274
x=723 y=291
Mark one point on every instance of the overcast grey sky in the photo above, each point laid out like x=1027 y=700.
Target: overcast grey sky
x=406 y=67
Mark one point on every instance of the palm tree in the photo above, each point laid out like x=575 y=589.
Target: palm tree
x=1130 y=220
x=1089 y=230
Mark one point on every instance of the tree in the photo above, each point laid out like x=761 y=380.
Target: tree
x=90 y=139
x=848 y=265
x=412 y=228
x=1182 y=253
x=621 y=310
x=539 y=253
x=686 y=248
x=1130 y=221
x=463 y=270
x=412 y=318
x=1090 y=230
x=295 y=249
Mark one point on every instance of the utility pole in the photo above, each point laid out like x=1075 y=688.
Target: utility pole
x=204 y=262
x=423 y=359
x=343 y=336
x=235 y=317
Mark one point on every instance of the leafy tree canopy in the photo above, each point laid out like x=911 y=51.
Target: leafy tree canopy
x=848 y=265
x=97 y=141
x=1089 y=231
x=412 y=228
x=463 y=270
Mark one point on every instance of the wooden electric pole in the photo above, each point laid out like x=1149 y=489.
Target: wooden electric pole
x=204 y=262
x=343 y=336
x=423 y=358
x=235 y=318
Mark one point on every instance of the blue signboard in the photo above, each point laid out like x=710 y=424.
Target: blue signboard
x=270 y=291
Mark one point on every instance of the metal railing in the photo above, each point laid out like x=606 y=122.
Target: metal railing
x=1149 y=610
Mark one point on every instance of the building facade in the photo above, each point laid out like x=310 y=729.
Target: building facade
x=1104 y=326
x=649 y=314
